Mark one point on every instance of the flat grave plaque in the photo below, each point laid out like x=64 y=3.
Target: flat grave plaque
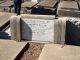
x=37 y=29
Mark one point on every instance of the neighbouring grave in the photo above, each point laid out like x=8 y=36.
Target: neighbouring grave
x=68 y=9
x=10 y=50
x=4 y=19
x=6 y=6
x=37 y=28
x=55 y=52
x=73 y=31
x=45 y=28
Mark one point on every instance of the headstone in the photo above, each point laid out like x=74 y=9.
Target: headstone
x=43 y=28
x=37 y=29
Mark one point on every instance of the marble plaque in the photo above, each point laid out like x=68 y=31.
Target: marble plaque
x=37 y=29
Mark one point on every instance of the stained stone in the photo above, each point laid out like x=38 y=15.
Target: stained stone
x=69 y=9
x=10 y=49
x=4 y=18
x=38 y=28
x=56 y=52
x=48 y=3
x=28 y=4
x=6 y=4
x=73 y=31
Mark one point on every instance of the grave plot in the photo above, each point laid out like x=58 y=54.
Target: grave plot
x=33 y=51
x=27 y=6
x=42 y=28
x=6 y=6
x=10 y=50
x=68 y=9
x=57 y=52
x=33 y=28
x=45 y=7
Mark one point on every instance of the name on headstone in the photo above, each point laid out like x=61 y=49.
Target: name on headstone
x=38 y=29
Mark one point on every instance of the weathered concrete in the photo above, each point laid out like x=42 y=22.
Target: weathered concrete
x=38 y=28
x=69 y=9
x=28 y=4
x=4 y=18
x=6 y=6
x=1 y=2
x=48 y=3
x=55 y=52
x=9 y=49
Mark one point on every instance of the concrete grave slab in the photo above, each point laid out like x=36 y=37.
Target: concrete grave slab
x=28 y=4
x=55 y=52
x=10 y=49
x=48 y=3
x=4 y=18
x=38 y=28
x=69 y=9
x=6 y=5
x=1 y=2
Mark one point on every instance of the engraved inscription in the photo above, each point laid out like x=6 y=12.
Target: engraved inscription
x=38 y=29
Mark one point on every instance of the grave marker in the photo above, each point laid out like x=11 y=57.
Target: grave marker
x=38 y=29
x=44 y=28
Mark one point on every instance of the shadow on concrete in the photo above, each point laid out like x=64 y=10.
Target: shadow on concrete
x=72 y=33
x=43 y=11
x=4 y=35
x=20 y=55
x=26 y=31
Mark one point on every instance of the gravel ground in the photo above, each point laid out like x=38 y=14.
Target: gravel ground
x=33 y=52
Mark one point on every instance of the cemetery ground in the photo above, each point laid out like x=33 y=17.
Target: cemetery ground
x=12 y=50
x=29 y=50
x=33 y=51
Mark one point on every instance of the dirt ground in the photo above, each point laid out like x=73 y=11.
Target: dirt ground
x=33 y=52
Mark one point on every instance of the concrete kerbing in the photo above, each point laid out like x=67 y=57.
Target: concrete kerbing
x=15 y=28
x=4 y=19
x=59 y=30
x=63 y=30
x=56 y=52
x=68 y=9
x=10 y=49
